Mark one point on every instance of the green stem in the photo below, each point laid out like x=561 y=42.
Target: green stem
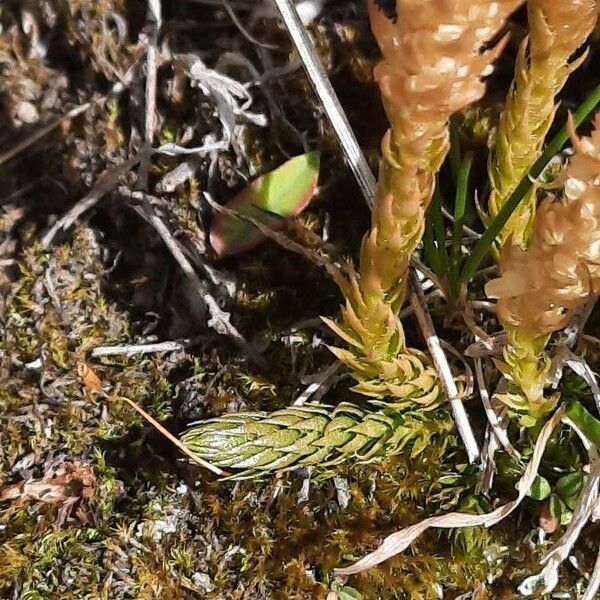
x=431 y=253
x=484 y=244
x=455 y=149
x=437 y=219
x=460 y=205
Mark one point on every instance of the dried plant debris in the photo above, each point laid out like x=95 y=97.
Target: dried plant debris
x=128 y=131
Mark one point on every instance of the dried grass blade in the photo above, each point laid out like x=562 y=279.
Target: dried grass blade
x=399 y=541
x=326 y=94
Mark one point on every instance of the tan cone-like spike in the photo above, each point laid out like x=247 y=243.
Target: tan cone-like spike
x=556 y=31
x=432 y=66
x=540 y=287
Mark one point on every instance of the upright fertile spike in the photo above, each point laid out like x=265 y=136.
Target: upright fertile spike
x=556 y=31
x=539 y=288
x=433 y=64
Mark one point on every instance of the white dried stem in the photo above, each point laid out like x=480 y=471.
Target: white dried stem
x=326 y=94
x=497 y=424
x=137 y=349
x=419 y=304
x=594 y=582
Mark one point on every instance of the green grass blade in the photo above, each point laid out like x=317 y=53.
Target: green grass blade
x=484 y=244
x=437 y=219
x=460 y=206
x=431 y=253
x=589 y=425
x=455 y=147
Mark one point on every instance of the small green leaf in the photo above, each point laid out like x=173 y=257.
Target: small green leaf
x=585 y=421
x=540 y=489
x=570 y=486
x=558 y=509
x=278 y=195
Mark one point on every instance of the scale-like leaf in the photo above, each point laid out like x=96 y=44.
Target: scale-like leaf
x=278 y=195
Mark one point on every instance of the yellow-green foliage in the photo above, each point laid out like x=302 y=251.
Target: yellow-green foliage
x=312 y=435
x=540 y=288
x=151 y=535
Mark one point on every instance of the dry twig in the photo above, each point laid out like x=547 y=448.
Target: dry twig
x=220 y=320
x=106 y=182
x=136 y=349
x=419 y=304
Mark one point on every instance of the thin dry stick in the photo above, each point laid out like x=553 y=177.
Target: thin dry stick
x=283 y=240
x=594 y=583
x=106 y=182
x=92 y=382
x=419 y=304
x=488 y=462
x=40 y=133
x=169 y=435
x=366 y=181
x=154 y=21
x=320 y=384
x=236 y=21
x=494 y=420
x=219 y=318
x=326 y=94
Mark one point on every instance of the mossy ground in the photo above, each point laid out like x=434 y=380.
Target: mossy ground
x=132 y=520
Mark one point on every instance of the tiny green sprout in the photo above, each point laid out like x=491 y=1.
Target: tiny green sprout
x=278 y=195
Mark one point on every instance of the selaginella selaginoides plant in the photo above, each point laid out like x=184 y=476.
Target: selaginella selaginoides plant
x=544 y=62
x=433 y=64
x=540 y=287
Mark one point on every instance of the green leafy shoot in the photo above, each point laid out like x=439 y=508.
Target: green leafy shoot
x=278 y=195
x=484 y=244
